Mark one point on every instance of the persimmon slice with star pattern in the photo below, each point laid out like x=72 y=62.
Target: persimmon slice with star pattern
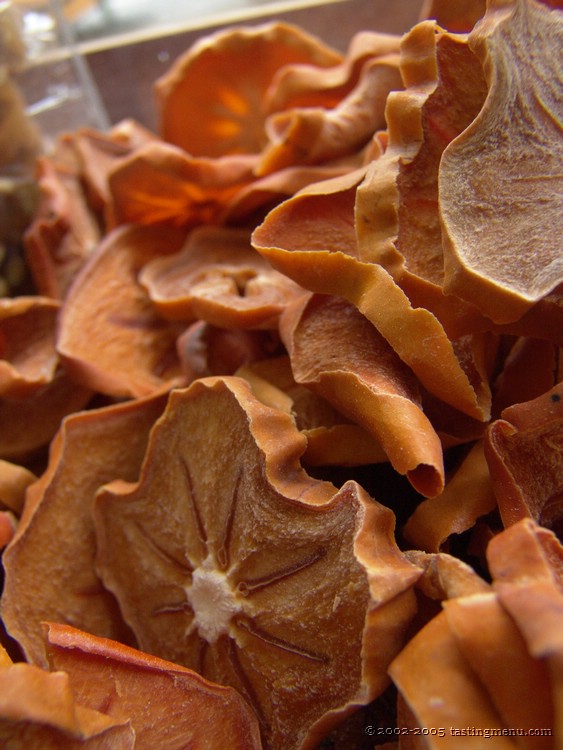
x=227 y=558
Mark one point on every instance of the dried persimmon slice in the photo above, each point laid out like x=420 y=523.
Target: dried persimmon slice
x=228 y=558
x=500 y=212
x=311 y=238
x=217 y=276
x=524 y=450
x=365 y=380
x=212 y=98
x=28 y=360
x=160 y=183
x=110 y=337
x=38 y=709
x=168 y=705
x=49 y=566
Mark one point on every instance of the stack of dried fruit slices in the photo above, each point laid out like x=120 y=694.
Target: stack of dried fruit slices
x=281 y=458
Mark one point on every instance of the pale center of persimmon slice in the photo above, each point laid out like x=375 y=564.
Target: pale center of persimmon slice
x=211 y=597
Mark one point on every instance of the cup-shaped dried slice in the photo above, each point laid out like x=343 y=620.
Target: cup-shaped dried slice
x=228 y=558
x=312 y=135
x=28 y=424
x=160 y=183
x=500 y=208
x=212 y=98
x=364 y=378
x=65 y=231
x=524 y=450
x=39 y=711
x=110 y=337
x=307 y=85
x=311 y=239
x=49 y=566
x=218 y=277
x=28 y=359
x=169 y=707
x=467 y=496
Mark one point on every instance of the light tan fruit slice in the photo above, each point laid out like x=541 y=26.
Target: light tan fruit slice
x=500 y=179
x=227 y=558
x=169 y=707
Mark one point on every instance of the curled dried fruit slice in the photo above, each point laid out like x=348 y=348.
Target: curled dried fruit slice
x=307 y=85
x=227 y=558
x=467 y=496
x=312 y=135
x=65 y=231
x=110 y=336
x=218 y=277
x=28 y=359
x=500 y=207
x=49 y=567
x=366 y=381
x=160 y=183
x=311 y=238
x=212 y=98
x=38 y=709
x=168 y=706
x=14 y=481
x=524 y=451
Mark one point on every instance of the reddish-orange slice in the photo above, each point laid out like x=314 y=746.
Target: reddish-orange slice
x=212 y=100
x=38 y=711
x=169 y=707
x=227 y=558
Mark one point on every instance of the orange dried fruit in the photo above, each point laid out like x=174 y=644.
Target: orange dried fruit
x=311 y=238
x=28 y=424
x=365 y=380
x=217 y=276
x=28 y=359
x=49 y=566
x=160 y=183
x=167 y=705
x=467 y=496
x=308 y=85
x=397 y=204
x=524 y=450
x=313 y=135
x=39 y=711
x=227 y=558
x=500 y=213
x=212 y=99
x=65 y=231
x=110 y=336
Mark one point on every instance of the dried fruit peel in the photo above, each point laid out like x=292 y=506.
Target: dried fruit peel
x=255 y=538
